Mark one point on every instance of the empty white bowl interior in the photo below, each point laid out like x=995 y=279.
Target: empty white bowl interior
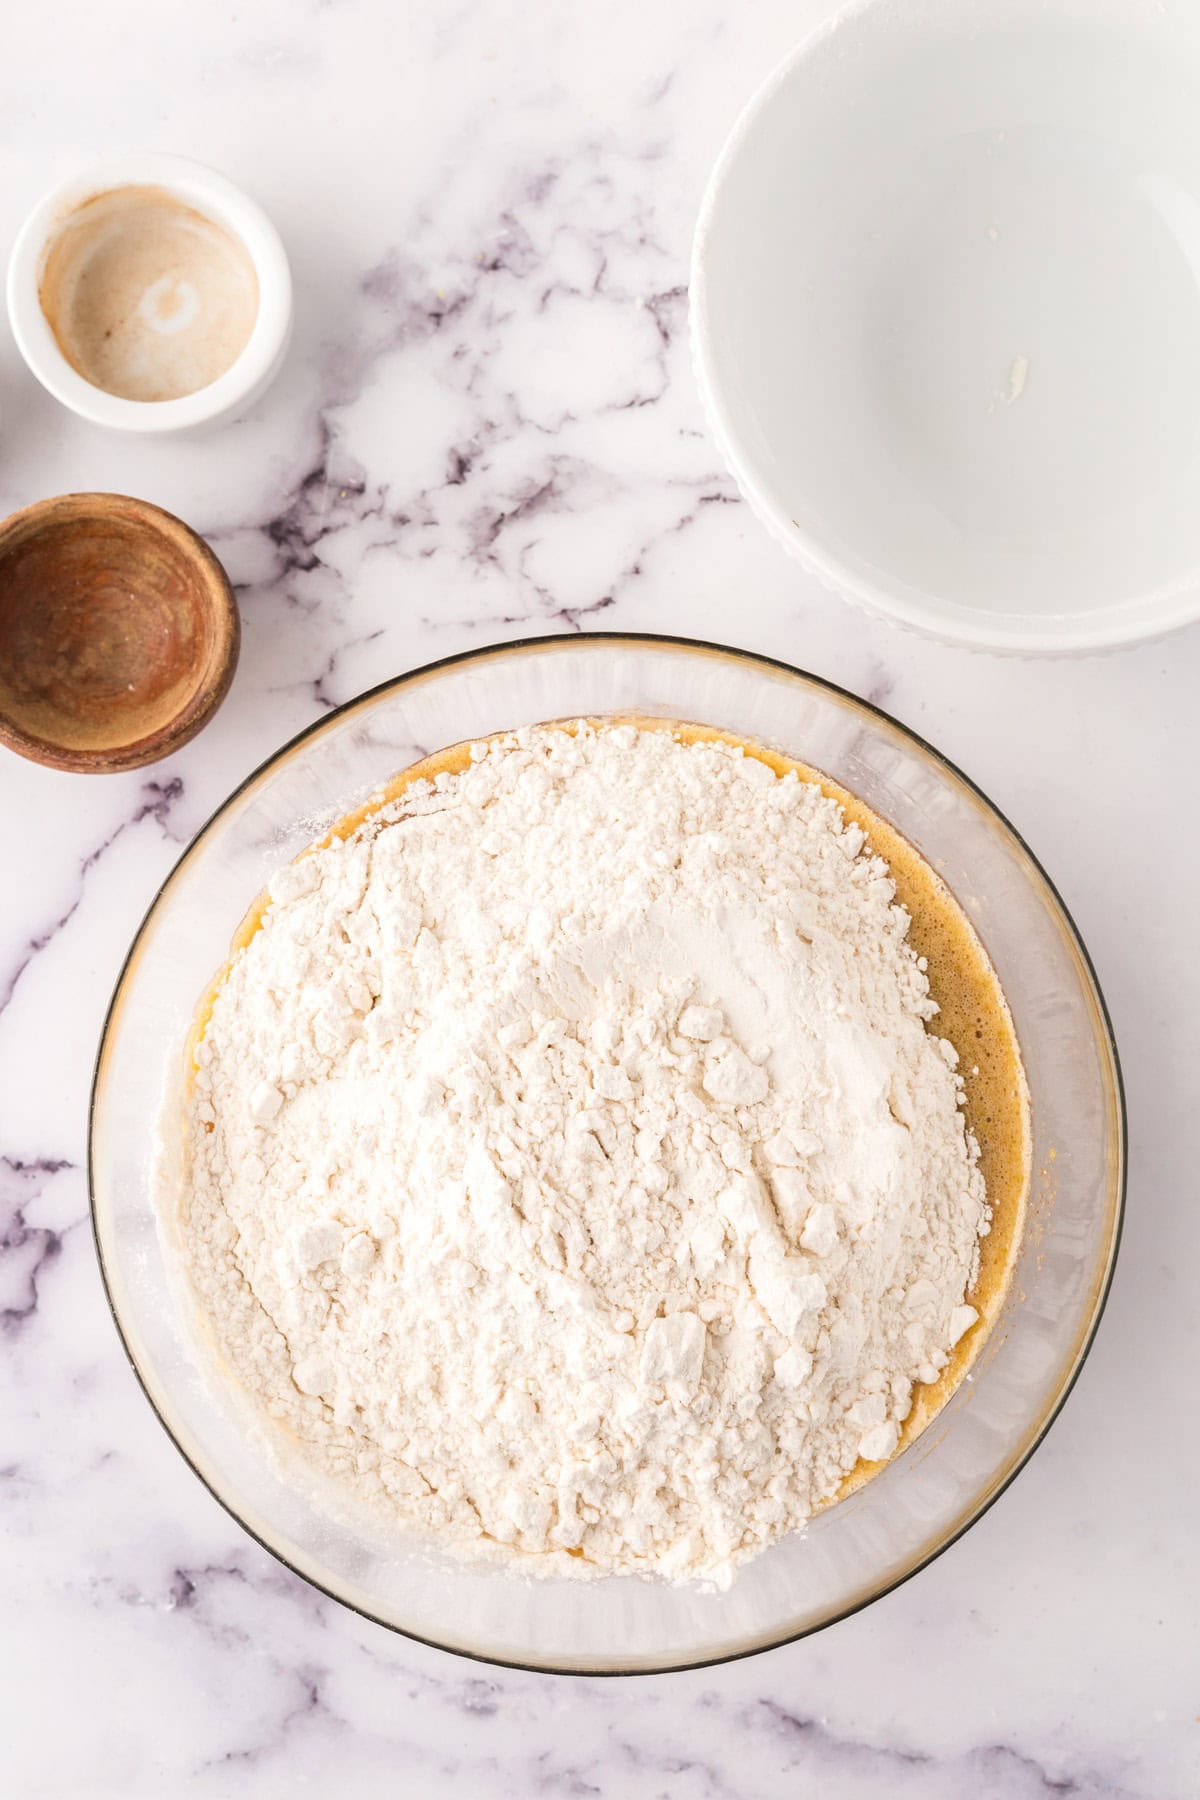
x=948 y=316
x=858 y=1548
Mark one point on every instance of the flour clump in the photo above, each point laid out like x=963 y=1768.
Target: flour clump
x=571 y=1173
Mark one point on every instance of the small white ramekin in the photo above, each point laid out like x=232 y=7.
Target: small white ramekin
x=218 y=199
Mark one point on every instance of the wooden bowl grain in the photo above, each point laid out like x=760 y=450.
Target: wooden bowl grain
x=119 y=633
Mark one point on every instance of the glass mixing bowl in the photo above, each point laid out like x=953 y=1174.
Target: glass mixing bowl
x=923 y=1500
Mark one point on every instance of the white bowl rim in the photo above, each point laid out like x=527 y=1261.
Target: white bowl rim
x=1134 y=620
x=208 y=192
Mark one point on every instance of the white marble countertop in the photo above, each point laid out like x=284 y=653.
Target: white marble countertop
x=488 y=428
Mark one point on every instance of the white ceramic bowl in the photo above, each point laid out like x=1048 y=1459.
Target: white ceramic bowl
x=218 y=199
x=921 y=1501
x=946 y=315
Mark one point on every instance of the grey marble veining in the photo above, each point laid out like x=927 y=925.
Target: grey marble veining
x=487 y=428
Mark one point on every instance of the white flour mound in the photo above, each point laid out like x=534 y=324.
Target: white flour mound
x=570 y=1167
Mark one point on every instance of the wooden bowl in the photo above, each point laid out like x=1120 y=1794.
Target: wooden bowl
x=119 y=633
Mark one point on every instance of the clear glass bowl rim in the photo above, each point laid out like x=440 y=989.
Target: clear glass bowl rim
x=661 y=641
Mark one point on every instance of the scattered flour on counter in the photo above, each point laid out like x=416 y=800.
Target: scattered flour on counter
x=570 y=1167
